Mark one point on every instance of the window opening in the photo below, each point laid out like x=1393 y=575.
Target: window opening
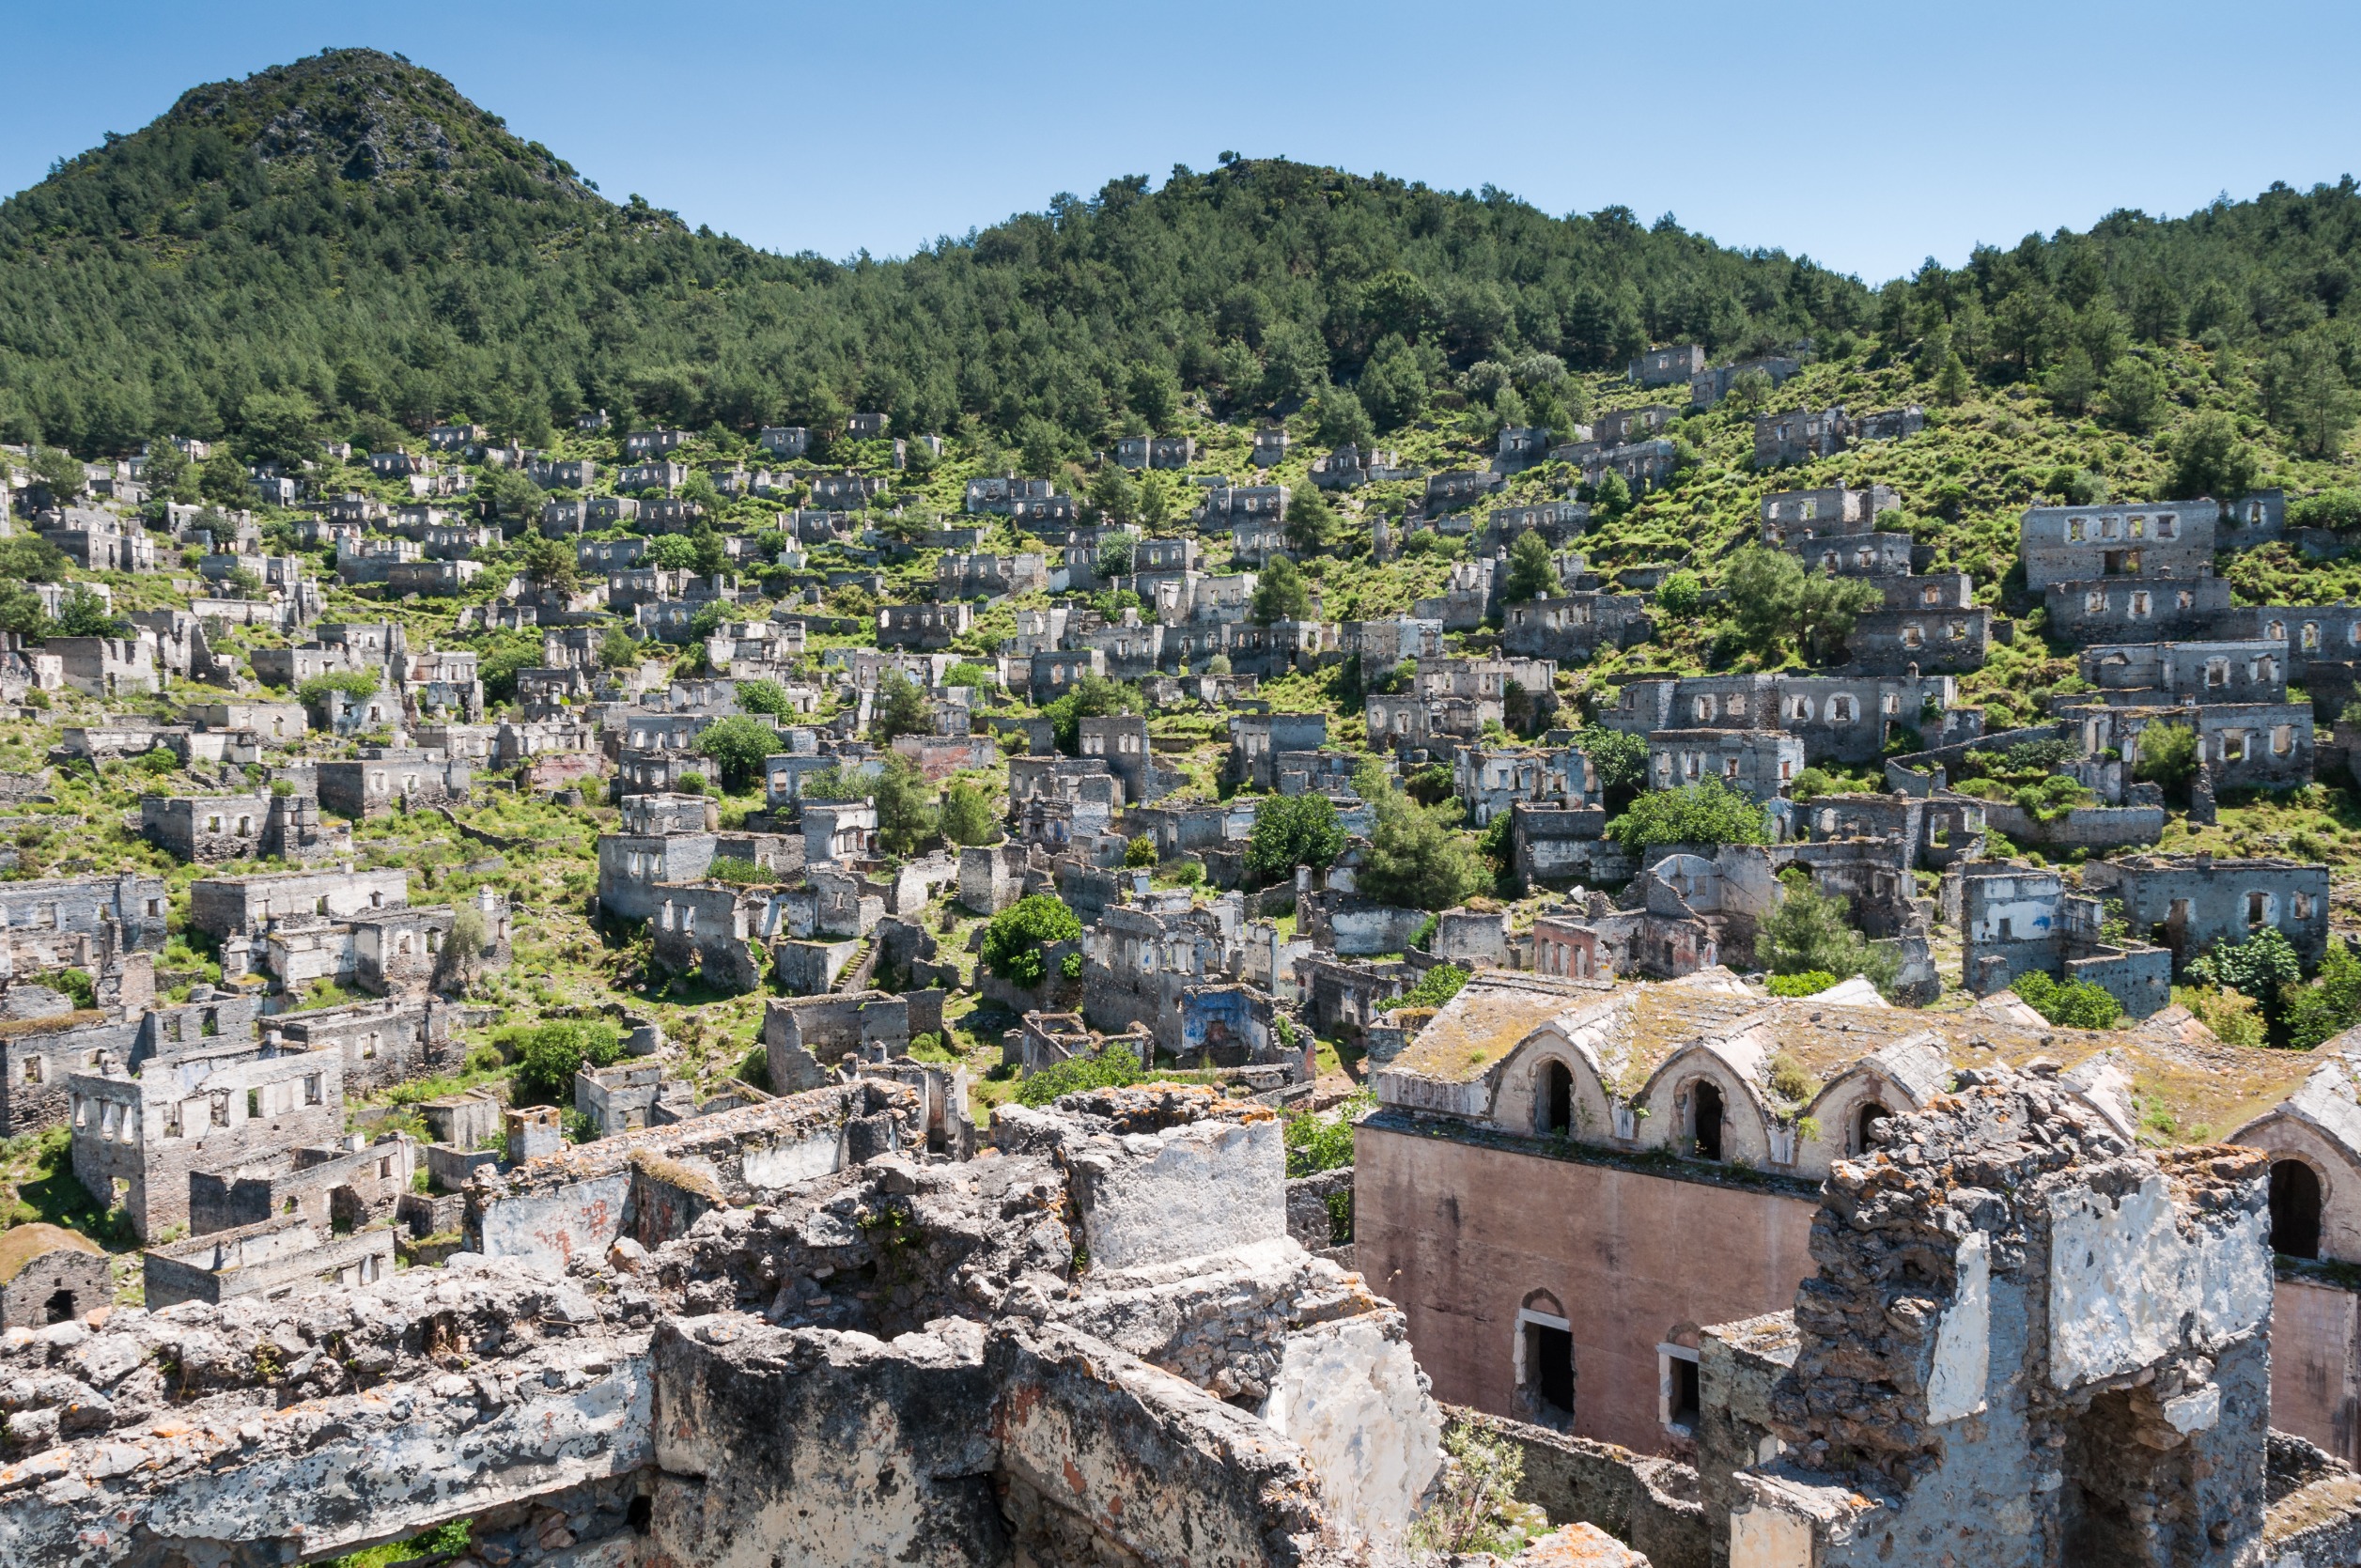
x=1705 y=1103
x=2294 y=1209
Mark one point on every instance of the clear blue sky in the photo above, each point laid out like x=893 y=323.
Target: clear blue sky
x=1866 y=136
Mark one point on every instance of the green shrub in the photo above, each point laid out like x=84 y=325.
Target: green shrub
x=354 y=683
x=1111 y=1068
x=2070 y=1005
x=1707 y=812
x=1810 y=932
x=1014 y=940
x=76 y=983
x=1292 y=830
x=548 y=1055
x=729 y=868
x=1321 y=1141
x=1810 y=983
x=1436 y=986
x=2262 y=967
x=1680 y=594
x=765 y=697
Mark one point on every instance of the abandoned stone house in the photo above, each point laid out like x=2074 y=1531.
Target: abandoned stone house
x=1168 y=452
x=633 y=864
x=1283 y=647
x=1760 y=764
x=1351 y=467
x=1870 y=555
x=108 y=666
x=2328 y=634
x=1520 y=448
x=1120 y=741
x=1571 y=627
x=658 y=474
x=2243 y=745
x=1640 y=464
x=929 y=627
x=231 y=906
x=1559 y=521
x=1492 y=781
x=2163 y=674
x=1830 y=510
x=719 y=929
x=643 y=444
x=2013 y=918
x=1929 y=624
x=384 y=1041
x=1668 y=366
x=1257 y=740
x=55 y=922
x=1052 y=675
x=1412 y=724
x=1621 y=427
x=51 y=1275
x=1454 y=489
x=209 y=1106
x=2116 y=539
x=430 y=579
x=1253 y=508
x=1707 y=388
x=1134 y=650
x=1799 y=436
x=241 y=827
x=369 y=785
x=1682 y=913
x=1348 y=996
x=998 y=494
x=1889 y=423
x=1840 y=718
x=102 y=541
x=867 y=668
x=347 y=1185
x=1467 y=597
x=1380 y=645
x=838 y=831
x=974 y=574
x=784 y=440
x=1139 y=963
x=1928 y=832
x=562 y=474
x=2190 y=903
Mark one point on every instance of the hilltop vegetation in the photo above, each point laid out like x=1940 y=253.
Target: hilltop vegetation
x=351 y=230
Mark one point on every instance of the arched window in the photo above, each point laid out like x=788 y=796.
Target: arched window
x=1865 y=1126
x=1557 y=1100
x=1545 y=1356
x=2294 y=1209
x=1705 y=1119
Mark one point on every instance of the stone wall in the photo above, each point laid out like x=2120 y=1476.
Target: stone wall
x=2071 y=1368
x=1651 y=1503
x=581 y=1199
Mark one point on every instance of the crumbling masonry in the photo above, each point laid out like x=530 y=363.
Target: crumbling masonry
x=875 y=1360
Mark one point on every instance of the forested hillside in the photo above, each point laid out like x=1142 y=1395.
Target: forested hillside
x=350 y=230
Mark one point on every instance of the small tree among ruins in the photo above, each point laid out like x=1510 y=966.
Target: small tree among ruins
x=1475 y=1507
x=1014 y=940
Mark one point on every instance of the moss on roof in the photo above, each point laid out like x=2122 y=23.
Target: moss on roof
x=20 y=1244
x=2189 y=1085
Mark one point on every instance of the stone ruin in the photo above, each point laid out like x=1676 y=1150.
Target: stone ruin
x=1094 y=1343
x=2031 y=1340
